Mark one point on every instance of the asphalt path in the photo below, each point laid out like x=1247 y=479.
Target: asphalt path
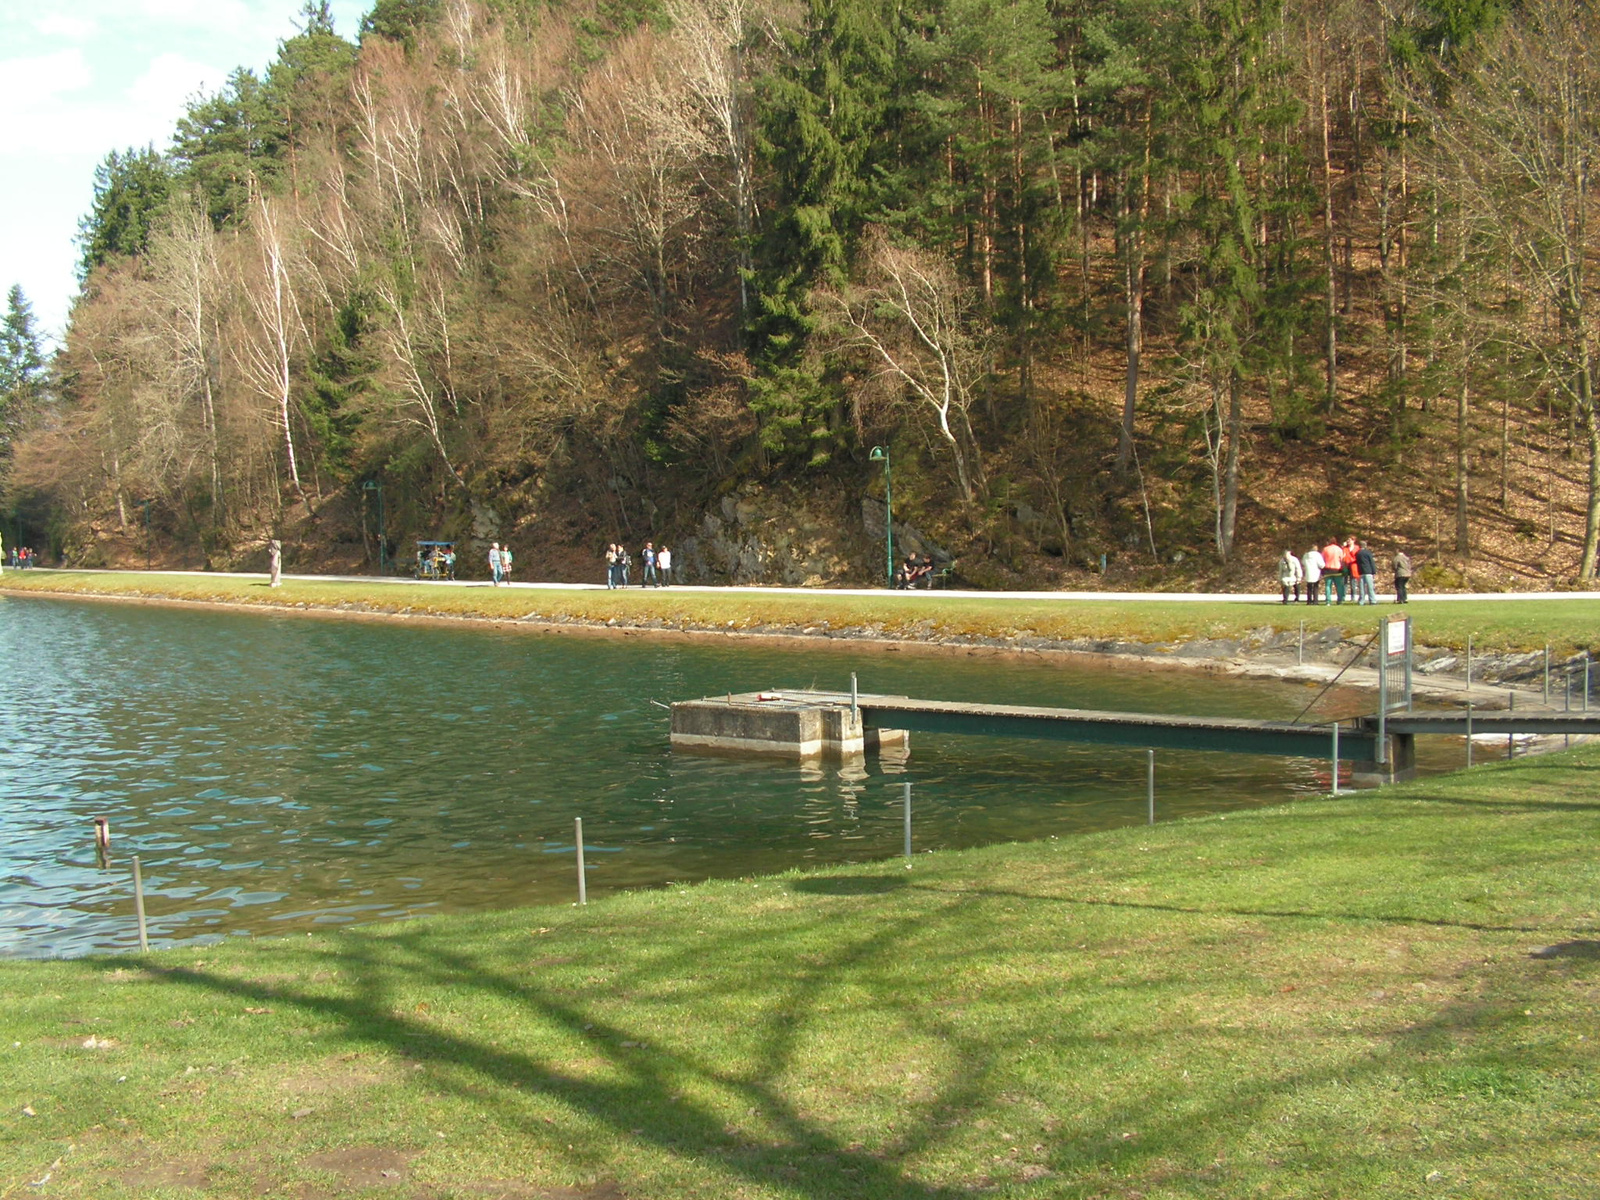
x=943 y=593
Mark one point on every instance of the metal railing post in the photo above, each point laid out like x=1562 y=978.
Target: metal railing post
x=907 y=806
x=138 y=904
x=583 y=884
x=1335 y=774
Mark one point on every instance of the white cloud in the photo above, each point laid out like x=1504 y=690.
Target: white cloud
x=61 y=25
x=29 y=85
x=160 y=94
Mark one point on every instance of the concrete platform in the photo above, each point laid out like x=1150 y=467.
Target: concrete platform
x=784 y=725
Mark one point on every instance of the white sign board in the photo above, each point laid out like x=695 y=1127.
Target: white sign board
x=1394 y=641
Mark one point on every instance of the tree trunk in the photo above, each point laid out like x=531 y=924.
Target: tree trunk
x=1463 y=400
x=1230 y=484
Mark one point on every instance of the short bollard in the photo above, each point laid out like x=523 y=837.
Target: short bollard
x=907 y=810
x=138 y=904
x=1150 y=783
x=583 y=884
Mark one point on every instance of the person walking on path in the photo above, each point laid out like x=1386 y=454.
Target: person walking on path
x=1332 y=572
x=664 y=565
x=494 y=562
x=648 y=578
x=505 y=563
x=1402 y=575
x=1290 y=573
x=611 y=565
x=1368 y=566
x=1311 y=563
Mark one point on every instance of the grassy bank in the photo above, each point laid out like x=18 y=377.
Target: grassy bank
x=1568 y=625
x=1387 y=995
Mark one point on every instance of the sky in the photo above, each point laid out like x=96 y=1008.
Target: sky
x=80 y=78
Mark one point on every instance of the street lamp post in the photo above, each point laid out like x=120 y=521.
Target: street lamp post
x=372 y=485
x=881 y=454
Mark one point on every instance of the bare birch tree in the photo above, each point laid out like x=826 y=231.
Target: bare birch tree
x=924 y=331
x=275 y=331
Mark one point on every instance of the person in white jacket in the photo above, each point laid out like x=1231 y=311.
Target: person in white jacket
x=1311 y=562
x=1290 y=573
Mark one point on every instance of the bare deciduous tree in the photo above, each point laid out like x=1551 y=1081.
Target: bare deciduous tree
x=923 y=330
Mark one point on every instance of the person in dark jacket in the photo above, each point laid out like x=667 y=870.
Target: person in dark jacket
x=1368 y=567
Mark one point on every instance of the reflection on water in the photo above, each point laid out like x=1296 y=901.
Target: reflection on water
x=276 y=773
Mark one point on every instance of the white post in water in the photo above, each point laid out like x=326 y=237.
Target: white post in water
x=907 y=805
x=138 y=904
x=1150 y=782
x=855 y=701
x=583 y=884
x=1335 y=775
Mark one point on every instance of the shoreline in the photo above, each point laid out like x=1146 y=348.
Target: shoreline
x=1267 y=658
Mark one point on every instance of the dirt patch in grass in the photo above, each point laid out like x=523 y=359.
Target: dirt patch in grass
x=363 y=1166
x=335 y=1077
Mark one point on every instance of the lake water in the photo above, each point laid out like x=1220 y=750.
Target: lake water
x=277 y=773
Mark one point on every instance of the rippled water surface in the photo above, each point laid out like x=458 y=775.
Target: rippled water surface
x=276 y=772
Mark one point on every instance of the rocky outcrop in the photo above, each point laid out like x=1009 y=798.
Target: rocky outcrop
x=785 y=537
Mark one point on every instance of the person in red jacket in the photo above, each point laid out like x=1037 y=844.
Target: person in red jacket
x=1332 y=571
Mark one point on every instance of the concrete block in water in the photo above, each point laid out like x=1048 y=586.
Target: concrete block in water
x=783 y=725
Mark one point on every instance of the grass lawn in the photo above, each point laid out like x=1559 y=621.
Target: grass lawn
x=1386 y=995
x=1568 y=625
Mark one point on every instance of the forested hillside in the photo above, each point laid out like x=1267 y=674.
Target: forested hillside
x=1177 y=284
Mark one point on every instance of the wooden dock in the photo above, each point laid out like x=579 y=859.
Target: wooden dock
x=805 y=724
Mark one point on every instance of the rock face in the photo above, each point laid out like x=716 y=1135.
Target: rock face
x=783 y=537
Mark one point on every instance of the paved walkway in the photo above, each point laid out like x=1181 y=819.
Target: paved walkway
x=1064 y=597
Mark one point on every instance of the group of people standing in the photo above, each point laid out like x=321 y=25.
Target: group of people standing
x=1332 y=570
x=657 y=565
x=21 y=557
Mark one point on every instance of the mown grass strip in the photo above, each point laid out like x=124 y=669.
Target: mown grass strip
x=1567 y=625
x=1384 y=995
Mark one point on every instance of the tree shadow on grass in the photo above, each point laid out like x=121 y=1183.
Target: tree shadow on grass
x=790 y=978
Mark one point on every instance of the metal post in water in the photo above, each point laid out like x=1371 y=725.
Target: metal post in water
x=1383 y=690
x=138 y=904
x=583 y=884
x=1335 y=775
x=1469 y=733
x=855 y=701
x=1150 y=782
x=907 y=805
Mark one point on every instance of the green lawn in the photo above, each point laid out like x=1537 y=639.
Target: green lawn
x=1567 y=624
x=1388 y=995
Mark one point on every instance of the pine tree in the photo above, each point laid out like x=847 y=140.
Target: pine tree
x=130 y=193
x=22 y=367
x=826 y=123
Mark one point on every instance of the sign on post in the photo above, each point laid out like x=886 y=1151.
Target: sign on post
x=1394 y=674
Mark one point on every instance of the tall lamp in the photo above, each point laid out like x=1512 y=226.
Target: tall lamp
x=372 y=485
x=881 y=454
